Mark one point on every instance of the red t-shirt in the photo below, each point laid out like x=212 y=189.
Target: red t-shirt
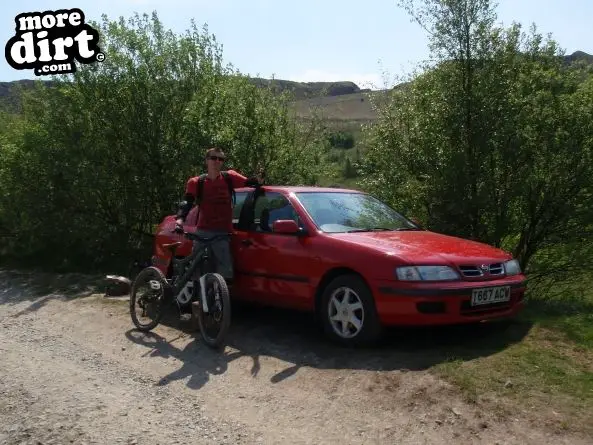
x=216 y=211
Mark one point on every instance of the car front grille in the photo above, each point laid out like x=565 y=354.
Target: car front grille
x=474 y=271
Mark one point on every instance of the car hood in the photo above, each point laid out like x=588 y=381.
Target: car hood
x=425 y=246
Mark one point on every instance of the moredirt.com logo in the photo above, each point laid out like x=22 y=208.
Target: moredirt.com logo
x=48 y=42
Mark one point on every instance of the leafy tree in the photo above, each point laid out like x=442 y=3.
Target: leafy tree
x=258 y=130
x=98 y=159
x=349 y=169
x=492 y=141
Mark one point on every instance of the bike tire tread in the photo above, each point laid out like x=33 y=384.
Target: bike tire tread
x=218 y=342
x=150 y=272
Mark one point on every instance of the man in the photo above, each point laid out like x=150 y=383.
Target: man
x=215 y=213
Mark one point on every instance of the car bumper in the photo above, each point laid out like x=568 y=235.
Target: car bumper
x=437 y=304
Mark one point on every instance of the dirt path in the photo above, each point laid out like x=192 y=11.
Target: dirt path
x=72 y=370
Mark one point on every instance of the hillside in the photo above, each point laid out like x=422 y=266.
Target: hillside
x=306 y=90
x=355 y=108
x=342 y=101
x=300 y=90
x=348 y=108
x=579 y=56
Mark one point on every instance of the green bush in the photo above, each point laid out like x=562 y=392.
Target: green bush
x=341 y=139
x=93 y=162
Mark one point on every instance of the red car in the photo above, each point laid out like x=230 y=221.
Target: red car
x=357 y=263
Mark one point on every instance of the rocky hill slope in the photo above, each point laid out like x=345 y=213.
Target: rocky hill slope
x=342 y=97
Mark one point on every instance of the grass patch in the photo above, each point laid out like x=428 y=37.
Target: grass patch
x=547 y=375
x=569 y=310
x=543 y=377
x=578 y=328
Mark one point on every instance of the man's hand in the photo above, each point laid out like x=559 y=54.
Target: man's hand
x=254 y=181
x=178 y=226
x=261 y=175
x=258 y=179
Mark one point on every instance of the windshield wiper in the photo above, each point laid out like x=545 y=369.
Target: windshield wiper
x=370 y=229
x=383 y=229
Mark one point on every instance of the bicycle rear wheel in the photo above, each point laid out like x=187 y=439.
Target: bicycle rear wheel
x=148 y=294
x=215 y=324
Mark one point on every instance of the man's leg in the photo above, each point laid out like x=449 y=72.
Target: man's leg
x=222 y=252
x=224 y=259
x=185 y=312
x=223 y=263
x=197 y=273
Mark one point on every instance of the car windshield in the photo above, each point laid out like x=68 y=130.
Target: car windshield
x=352 y=212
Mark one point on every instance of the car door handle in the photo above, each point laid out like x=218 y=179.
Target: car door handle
x=247 y=242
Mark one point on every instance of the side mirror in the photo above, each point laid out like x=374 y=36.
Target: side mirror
x=288 y=226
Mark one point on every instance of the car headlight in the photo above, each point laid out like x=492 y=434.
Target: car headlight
x=426 y=273
x=512 y=267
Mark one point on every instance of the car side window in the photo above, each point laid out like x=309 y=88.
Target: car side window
x=272 y=207
x=240 y=197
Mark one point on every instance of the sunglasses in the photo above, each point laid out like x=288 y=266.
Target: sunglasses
x=216 y=158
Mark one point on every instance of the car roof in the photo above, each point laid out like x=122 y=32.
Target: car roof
x=302 y=189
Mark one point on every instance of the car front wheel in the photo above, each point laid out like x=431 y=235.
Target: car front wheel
x=348 y=312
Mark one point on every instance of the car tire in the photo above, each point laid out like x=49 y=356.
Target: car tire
x=361 y=310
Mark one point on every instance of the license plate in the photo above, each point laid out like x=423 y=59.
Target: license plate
x=489 y=295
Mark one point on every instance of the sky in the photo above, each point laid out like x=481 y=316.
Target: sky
x=369 y=42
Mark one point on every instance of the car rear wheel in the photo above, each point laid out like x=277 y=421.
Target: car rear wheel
x=348 y=312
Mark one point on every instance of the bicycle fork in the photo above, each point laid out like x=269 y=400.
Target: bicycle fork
x=203 y=293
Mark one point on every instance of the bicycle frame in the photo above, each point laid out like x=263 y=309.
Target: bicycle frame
x=195 y=259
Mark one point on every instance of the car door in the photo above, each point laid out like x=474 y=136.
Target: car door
x=274 y=267
x=247 y=284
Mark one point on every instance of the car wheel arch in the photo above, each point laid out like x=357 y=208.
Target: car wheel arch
x=371 y=328
x=328 y=277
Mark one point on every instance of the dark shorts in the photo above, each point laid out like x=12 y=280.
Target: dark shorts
x=222 y=252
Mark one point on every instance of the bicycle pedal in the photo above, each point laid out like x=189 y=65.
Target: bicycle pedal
x=155 y=285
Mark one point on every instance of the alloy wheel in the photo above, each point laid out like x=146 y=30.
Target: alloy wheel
x=346 y=312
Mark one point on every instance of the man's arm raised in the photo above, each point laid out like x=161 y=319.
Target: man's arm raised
x=242 y=181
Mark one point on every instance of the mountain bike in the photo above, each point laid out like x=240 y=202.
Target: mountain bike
x=207 y=296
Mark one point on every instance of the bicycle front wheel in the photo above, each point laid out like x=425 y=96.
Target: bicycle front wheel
x=215 y=324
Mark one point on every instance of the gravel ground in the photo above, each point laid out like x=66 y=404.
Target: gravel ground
x=74 y=371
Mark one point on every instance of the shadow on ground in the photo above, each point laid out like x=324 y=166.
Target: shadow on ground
x=268 y=332
x=199 y=362
x=295 y=339
x=18 y=286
